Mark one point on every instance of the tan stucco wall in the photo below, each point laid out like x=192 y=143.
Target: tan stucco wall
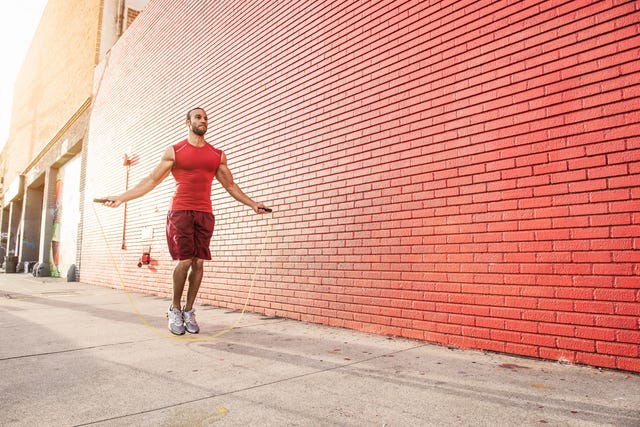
x=54 y=82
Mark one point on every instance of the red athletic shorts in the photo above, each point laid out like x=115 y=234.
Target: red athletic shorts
x=189 y=234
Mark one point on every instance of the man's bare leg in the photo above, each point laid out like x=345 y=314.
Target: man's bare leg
x=179 y=277
x=195 y=278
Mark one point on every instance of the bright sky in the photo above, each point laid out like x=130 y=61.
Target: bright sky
x=20 y=21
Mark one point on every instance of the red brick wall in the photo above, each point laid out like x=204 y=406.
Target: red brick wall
x=459 y=172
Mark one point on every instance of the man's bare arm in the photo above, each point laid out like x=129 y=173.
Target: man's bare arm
x=161 y=171
x=224 y=177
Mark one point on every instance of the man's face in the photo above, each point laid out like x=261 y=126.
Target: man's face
x=199 y=122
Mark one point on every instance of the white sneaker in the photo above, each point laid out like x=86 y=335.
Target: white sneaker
x=190 y=322
x=176 y=322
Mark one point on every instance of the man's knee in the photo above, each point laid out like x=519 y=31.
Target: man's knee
x=197 y=264
x=183 y=265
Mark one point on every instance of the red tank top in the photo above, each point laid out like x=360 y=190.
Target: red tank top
x=194 y=170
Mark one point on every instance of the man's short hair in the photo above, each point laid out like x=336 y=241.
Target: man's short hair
x=192 y=110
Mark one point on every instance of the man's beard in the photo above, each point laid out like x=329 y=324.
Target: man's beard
x=198 y=131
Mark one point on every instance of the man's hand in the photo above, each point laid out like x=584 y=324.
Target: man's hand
x=260 y=209
x=110 y=201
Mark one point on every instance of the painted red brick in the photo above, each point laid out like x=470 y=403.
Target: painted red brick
x=463 y=173
x=603 y=360
x=628 y=363
x=618 y=349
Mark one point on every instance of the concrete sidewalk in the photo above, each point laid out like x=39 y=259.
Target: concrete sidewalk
x=76 y=354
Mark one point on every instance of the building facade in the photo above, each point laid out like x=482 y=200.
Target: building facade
x=460 y=172
x=41 y=161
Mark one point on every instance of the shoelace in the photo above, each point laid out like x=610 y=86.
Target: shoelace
x=190 y=317
x=175 y=317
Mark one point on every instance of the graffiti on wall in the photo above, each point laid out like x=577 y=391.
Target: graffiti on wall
x=54 y=255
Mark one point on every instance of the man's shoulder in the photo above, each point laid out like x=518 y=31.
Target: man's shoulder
x=214 y=149
x=180 y=144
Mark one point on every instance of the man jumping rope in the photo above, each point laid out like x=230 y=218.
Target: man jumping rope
x=190 y=221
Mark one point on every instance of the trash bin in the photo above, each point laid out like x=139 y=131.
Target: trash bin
x=12 y=264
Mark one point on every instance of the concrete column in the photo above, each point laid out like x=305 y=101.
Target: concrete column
x=10 y=238
x=3 y=229
x=31 y=218
x=12 y=233
x=14 y=223
x=48 y=210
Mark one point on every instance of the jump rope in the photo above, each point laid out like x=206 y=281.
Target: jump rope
x=165 y=333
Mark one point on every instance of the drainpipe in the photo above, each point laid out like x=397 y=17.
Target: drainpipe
x=120 y=24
